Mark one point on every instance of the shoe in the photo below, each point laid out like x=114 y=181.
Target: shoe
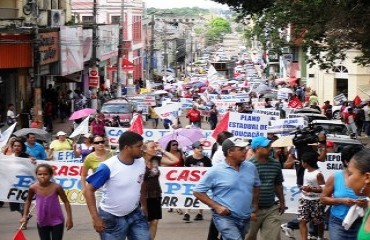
x=198 y=217
x=179 y=211
x=287 y=231
x=170 y=210
x=186 y=217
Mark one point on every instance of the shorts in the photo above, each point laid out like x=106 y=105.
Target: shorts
x=154 y=208
x=311 y=211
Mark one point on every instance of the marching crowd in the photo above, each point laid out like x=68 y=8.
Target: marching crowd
x=243 y=186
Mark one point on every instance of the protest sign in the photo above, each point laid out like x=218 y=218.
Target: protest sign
x=339 y=99
x=285 y=126
x=248 y=125
x=20 y=175
x=186 y=103
x=236 y=98
x=177 y=183
x=332 y=164
x=282 y=95
x=272 y=113
x=142 y=107
x=66 y=156
x=222 y=106
x=168 y=111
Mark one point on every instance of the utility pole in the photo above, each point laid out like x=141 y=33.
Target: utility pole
x=36 y=71
x=94 y=100
x=165 y=49
x=151 y=62
x=191 y=51
x=120 y=50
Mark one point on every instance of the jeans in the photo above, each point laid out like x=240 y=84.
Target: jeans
x=337 y=232
x=51 y=232
x=134 y=226
x=231 y=228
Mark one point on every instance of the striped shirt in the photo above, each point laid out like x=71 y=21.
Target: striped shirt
x=270 y=174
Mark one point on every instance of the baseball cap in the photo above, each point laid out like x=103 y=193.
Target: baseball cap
x=87 y=135
x=233 y=142
x=260 y=141
x=61 y=133
x=329 y=144
x=197 y=144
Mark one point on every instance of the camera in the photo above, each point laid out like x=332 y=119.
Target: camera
x=307 y=135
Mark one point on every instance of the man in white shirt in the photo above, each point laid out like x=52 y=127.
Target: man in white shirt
x=367 y=119
x=119 y=215
x=10 y=115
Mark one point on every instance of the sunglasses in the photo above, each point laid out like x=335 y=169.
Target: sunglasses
x=99 y=142
x=174 y=145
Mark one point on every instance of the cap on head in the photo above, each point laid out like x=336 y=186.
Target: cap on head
x=61 y=133
x=197 y=144
x=87 y=135
x=329 y=144
x=233 y=142
x=260 y=141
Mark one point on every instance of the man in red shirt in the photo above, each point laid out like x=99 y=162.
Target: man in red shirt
x=194 y=116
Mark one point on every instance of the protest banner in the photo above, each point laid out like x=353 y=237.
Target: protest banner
x=339 y=99
x=248 y=125
x=20 y=175
x=113 y=134
x=186 y=103
x=236 y=98
x=272 y=113
x=168 y=111
x=177 y=183
x=147 y=100
x=66 y=156
x=222 y=106
x=332 y=164
x=142 y=107
x=4 y=137
x=282 y=95
x=285 y=126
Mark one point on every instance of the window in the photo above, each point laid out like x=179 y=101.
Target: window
x=115 y=19
x=136 y=28
x=88 y=19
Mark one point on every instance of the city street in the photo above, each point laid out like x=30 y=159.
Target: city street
x=170 y=227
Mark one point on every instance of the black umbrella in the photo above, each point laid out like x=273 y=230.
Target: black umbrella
x=39 y=133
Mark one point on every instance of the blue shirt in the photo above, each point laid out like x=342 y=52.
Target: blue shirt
x=37 y=151
x=231 y=188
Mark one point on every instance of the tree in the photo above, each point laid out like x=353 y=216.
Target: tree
x=216 y=27
x=324 y=28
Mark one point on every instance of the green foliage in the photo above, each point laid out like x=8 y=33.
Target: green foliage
x=216 y=27
x=327 y=27
x=181 y=12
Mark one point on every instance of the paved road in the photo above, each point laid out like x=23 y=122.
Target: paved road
x=171 y=227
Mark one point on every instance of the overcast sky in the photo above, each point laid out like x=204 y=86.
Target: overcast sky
x=183 y=3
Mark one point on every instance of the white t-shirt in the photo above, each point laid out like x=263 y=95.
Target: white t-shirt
x=367 y=113
x=310 y=179
x=10 y=114
x=218 y=157
x=122 y=185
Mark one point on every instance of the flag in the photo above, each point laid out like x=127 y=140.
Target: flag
x=221 y=126
x=137 y=125
x=295 y=103
x=83 y=128
x=19 y=235
x=4 y=137
x=357 y=101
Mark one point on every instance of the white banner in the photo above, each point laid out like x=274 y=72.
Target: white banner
x=66 y=156
x=285 y=126
x=83 y=128
x=248 y=125
x=17 y=177
x=332 y=164
x=177 y=183
x=339 y=99
x=4 y=137
x=272 y=113
x=169 y=111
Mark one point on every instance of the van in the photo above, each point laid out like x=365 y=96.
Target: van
x=118 y=107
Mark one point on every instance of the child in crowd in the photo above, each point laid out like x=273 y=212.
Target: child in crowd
x=50 y=219
x=310 y=209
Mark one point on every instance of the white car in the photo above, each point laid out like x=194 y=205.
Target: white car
x=334 y=128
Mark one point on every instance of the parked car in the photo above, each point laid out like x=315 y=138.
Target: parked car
x=340 y=142
x=335 y=128
x=118 y=107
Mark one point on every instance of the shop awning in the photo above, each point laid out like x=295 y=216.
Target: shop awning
x=75 y=77
x=127 y=65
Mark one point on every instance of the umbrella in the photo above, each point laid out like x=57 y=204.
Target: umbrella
x=364 y=102
x=39 y=133
x=232 y=82
x=286 y=141
x=159 y=92
x=185 y=137
x=82 y=113
x=286 y=90
x=262 y=88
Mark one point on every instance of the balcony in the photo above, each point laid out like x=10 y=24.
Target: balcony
x=8 y=13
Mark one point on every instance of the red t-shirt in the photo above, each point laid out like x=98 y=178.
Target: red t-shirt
x=194 y=115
